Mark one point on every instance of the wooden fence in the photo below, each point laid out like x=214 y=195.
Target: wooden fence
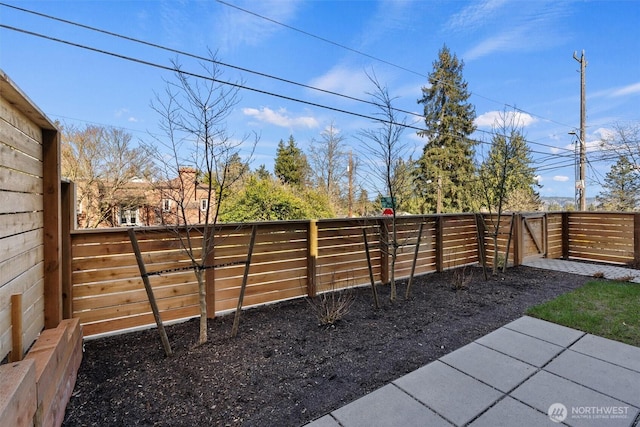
x=298 y=258
x=290 y=259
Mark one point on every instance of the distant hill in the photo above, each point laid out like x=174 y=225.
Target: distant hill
x=564 y=202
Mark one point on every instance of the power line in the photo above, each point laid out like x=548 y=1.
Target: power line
x=188 y=54
x=194 y=56
x=191 y=74
x=380 y=60
x=320 y=38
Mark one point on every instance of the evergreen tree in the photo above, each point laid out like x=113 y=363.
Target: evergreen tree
x=291 y=165
x=262 y=172
x=448 y=157
x=621 y=187
x=506 y=176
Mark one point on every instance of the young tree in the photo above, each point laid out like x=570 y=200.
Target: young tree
x=621 y=187
x=103 y=162
x=385 y=152
x=448 y=157
x=507 y=179
x=329 y=161
x=291 y=165
x=193 y=112
x=506 y=172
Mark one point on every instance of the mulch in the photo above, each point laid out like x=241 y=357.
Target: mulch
x=284 y=368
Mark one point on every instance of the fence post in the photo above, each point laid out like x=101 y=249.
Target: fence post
x=636 y=239
x=565 y=235
x=312 y=255
x=439 y=243
x=52 y=228
x=67 y=195
x=384 y=250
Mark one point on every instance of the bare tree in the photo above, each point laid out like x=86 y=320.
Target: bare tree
x=623 y=141
x=103 y=163
x=385 y=151
x=330 y=164
x=199 y=162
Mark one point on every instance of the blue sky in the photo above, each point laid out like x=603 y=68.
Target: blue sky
x=516 y=53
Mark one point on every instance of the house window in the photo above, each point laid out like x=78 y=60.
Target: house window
x=128 y=216
x=166 y=205
x=204 y=204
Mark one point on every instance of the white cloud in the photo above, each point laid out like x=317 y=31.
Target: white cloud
x=538 y=178
x=507 y=26
x=344 y=80
x=234 y=27
x=561 y=178
x=124 y=112
x=281 y=118
x=474 y=15
x=504 y=42
x=492 y=118
x=627 y=90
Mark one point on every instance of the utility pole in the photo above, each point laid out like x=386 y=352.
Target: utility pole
x=583 y=117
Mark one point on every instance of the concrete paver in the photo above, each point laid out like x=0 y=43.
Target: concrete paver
x=509 y=412
x=489 y=366
x=387 y=406
x=523 y=347
x=524 y=373
x=612 y=380
x=547 y=331
x=545 y=389
x=615 y=352
x=454 y=395
x=583 y=268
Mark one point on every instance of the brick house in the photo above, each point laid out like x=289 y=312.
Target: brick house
x=142 y=202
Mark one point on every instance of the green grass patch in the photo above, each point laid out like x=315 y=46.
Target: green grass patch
x=605 y=308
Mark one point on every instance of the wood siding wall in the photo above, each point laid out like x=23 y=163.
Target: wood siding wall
x=21 y=224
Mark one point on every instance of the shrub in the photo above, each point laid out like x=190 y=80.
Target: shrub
x=333 y=305
x=461 y=279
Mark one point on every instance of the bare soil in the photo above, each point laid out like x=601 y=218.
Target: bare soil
x=283 y=368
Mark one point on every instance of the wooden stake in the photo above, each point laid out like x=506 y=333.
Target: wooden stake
x=16 y=328
x=147 y=287
x=373 y=282
x=506 y=252
x=245 y=277
x=415 y=260
x=480 y=236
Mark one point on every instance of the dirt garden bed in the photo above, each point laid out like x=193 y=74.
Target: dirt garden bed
x=283 y=369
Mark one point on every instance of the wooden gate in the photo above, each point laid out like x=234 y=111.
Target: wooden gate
x=534 y=232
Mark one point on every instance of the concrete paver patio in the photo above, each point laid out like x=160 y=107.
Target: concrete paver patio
x=527 y=373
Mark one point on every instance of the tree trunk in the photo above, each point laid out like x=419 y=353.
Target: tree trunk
x=202 y=298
